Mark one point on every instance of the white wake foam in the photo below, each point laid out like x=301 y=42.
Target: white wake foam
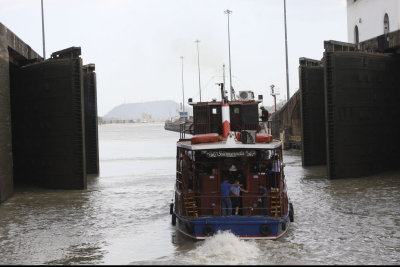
x=226 y=248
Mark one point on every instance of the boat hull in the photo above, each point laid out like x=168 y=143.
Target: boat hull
x=244 y=227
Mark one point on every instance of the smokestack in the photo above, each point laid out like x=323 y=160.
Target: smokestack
x=226 y=120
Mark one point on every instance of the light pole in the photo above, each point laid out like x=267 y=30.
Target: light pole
x=44 y=45
x=183 y=91
x=228 y=12
x=198 y=64
x=287 y=67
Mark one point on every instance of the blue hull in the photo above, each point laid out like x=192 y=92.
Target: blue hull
x=244 y=227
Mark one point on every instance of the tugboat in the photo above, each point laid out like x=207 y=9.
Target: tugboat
x=227 y=143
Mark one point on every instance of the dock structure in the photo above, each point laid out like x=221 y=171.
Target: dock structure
x=48 y=117
x=349 y=107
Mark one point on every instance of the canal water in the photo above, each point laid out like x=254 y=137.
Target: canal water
x=123 y=216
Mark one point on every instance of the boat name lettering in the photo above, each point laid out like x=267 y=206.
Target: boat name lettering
x=229 y=154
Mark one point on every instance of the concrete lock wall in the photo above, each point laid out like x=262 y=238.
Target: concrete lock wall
x=12 y=49
x=286 y=123
x=6 y=182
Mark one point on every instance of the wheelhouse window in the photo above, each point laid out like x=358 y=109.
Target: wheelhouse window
x=356 y=35
x=386 y=28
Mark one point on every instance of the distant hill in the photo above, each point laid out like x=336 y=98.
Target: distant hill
x=158 y=110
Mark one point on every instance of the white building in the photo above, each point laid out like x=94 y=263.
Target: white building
x=367 y=19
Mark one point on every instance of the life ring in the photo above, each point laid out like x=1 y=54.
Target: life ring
x=191 y=129
x=171 y=208
x=173 y=222
x=264 y=229
x=208 y=230
x=291 y=212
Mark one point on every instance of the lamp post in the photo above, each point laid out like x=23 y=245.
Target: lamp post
x=287 y=68
x=44 y=45
x=198 y=65
x=183 y=91
x=228 y=12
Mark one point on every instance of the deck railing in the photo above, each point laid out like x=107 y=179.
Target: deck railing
x=195 y=208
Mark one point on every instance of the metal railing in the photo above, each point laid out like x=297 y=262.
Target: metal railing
x=245 y=210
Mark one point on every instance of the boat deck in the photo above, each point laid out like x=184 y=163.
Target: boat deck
x=230 y=143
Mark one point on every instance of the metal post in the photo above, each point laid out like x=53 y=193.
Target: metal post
x=183 y=91
x=223 y=73
x=229 y=47
x=287 y=68
x=44 y=45
x=198 y=64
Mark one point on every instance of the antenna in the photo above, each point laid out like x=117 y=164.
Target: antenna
x=223 y=97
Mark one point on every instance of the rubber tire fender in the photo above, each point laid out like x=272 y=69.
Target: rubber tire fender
x=283 y=224
x=171 y=208
x=208 y=230
x=173 y=219
x=291 y=212
x=265 y=229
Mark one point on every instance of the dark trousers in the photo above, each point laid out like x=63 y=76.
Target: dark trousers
x=264 y=206
x=226 y=206
x=273 y=179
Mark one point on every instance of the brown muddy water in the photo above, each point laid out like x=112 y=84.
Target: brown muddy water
x=123 y=216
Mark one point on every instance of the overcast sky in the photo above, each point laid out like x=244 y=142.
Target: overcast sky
x=136 y=44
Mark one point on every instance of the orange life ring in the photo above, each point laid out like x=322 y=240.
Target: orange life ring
x=205 y=138
x=263 y=138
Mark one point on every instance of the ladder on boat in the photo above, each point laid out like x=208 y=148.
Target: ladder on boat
x=190 y=205
x=275 y=203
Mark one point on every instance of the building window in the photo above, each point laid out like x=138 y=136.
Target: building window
x=386 y=28
x=356 y=35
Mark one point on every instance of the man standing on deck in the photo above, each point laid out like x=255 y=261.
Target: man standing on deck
x=226 y=203
x=235 y=198
x=277 y=166
x=264 y=118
